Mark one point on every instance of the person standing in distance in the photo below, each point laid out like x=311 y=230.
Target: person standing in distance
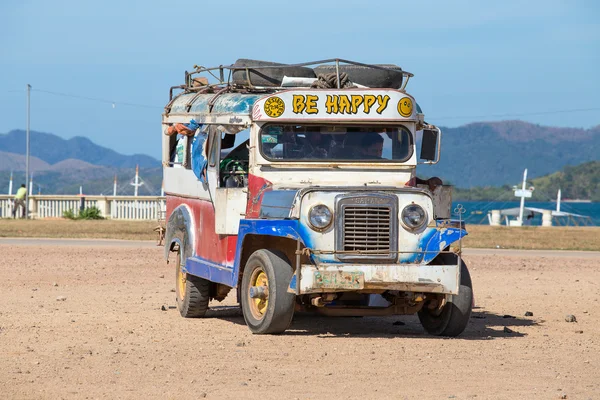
x=20 y=201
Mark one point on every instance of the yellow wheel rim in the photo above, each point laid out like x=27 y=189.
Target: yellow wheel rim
x=259 y=306
x=181 y=279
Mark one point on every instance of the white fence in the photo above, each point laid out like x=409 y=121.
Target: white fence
x=114 y=207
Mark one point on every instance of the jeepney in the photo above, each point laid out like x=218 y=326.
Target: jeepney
x=296 y=187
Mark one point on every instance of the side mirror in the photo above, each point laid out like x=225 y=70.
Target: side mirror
x=430 y=145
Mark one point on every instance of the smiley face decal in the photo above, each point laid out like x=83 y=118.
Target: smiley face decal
x=274 y=107
x=405 y=107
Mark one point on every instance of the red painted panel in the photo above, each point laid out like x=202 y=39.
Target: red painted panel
x=219 y=249
x=256 y=187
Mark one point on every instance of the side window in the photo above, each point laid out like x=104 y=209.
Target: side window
x=233 y=169
x=403 y=144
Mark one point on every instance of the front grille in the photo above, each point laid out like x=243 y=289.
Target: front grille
x=367 y=229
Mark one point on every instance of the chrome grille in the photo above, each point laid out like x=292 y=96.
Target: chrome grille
x=367 y=229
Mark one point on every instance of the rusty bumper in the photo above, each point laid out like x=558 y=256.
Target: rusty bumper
x=324 y=278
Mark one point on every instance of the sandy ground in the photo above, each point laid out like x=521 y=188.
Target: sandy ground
x=86 y=322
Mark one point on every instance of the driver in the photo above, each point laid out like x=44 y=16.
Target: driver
x=371 y=147
x=315 y=146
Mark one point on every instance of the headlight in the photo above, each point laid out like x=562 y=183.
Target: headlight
x=320 y=217
x=414 y=216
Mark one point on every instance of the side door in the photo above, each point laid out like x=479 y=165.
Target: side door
x=229 y=202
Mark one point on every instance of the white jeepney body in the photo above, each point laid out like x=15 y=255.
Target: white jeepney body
x=324 y=176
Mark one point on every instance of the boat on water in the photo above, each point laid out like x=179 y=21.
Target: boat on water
x=524 y=216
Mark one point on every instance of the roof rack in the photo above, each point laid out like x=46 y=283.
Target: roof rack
x=195 y=83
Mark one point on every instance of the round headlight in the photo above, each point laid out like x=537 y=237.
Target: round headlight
x=414 y=216
x=320 y=216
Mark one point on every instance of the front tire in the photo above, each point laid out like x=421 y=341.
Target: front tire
x=271 y=272
x=192 y=292
x=453 y=318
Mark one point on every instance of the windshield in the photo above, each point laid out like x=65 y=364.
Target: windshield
x=336 y=143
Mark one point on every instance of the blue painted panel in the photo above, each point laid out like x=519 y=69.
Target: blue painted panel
x=210 y=271
x=441 y=239
x=280 y=228
x=227 y=103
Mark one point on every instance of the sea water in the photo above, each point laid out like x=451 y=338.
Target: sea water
x=476 y=211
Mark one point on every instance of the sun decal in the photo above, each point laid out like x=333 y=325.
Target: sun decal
x=274 y=107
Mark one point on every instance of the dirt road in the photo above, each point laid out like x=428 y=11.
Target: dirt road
x=86 y=322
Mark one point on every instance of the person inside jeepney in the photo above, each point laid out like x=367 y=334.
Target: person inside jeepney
x=177 y=151
x=371 y=147
x=315 y=146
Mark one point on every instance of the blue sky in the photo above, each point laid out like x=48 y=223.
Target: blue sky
x=472 y=60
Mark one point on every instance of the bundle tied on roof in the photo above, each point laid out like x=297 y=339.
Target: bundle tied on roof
x=329 y=81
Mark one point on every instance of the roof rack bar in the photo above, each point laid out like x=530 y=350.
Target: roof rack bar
x=337 y=72
x=223 y=83
x=331 y=60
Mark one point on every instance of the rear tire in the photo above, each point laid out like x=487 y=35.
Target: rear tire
x=454 y=316
x=270 y=268
x=192 y=292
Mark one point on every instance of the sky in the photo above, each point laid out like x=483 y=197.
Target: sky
x=537 y=61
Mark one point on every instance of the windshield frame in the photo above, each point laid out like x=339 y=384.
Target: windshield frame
x=317 y=161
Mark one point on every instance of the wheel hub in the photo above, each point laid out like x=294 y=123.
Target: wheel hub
x=259 y=304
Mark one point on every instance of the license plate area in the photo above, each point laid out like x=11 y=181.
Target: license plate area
x=339 y=280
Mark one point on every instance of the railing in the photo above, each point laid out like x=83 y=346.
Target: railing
x=114 y=207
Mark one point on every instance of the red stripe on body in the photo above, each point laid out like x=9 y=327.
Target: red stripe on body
x=219 y=249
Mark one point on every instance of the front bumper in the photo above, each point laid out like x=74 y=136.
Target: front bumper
x=327 y=278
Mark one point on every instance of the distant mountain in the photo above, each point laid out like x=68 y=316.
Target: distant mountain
x=53 y=149
x=579 y=182
x=16 y=162
x=61 y=166
x=496 y=153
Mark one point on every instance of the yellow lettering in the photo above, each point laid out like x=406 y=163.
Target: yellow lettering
x=344 y=104
x=311 y=104
x=383 y=102
x=331 y=103
x=298 y=103
x=356 y=102
x=369 y=101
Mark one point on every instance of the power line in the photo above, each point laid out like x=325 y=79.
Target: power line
x=100 y=100
x=96 y=99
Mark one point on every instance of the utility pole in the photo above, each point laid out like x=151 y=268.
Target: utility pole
x=27 y=152
x=115 y=186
